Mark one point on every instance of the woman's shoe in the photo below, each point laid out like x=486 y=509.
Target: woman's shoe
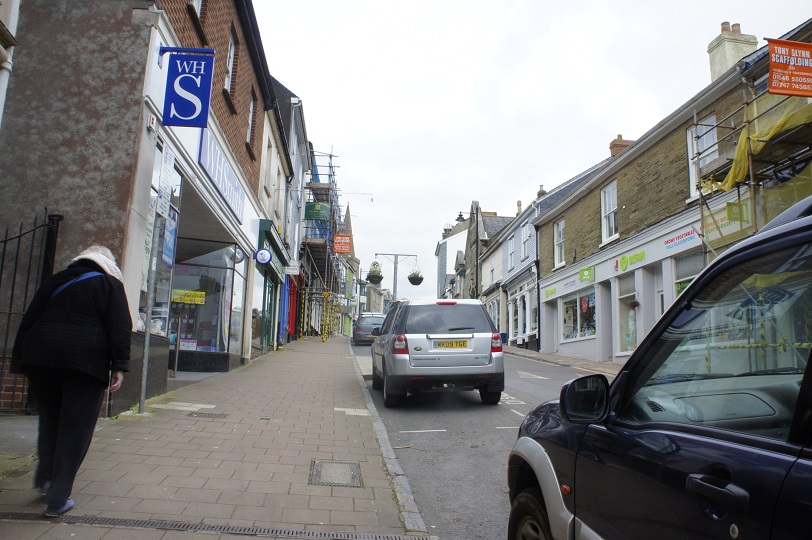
x=53 y=511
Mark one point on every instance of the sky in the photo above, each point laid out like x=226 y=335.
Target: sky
x=432 y=104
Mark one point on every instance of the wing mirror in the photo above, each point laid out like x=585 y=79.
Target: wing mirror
x=585 y=400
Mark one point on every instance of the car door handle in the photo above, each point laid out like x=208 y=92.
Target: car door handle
x=718 y=490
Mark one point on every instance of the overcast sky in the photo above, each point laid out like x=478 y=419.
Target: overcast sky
x=430 y=104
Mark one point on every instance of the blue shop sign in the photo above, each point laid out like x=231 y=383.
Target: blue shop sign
x=188 y=89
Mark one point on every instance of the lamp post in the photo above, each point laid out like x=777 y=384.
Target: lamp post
x=476 y=247
x=395 y=280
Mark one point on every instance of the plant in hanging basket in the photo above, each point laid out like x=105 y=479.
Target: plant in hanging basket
x=415 y=277
x=374 y=276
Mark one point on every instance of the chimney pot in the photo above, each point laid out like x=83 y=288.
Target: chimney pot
x=728 y=48
x=737 y=28
x=726 y=26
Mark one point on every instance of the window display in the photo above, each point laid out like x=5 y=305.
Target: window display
x=578 y=315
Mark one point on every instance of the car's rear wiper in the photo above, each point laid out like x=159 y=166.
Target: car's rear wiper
x=461 y=328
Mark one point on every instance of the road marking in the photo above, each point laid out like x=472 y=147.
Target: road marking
x=523 y=375
x=425 y=431
x=507 y=399
x=519 y=413
x=507 y=427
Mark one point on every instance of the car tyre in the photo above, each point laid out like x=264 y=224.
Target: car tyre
x=377 y=380
x=489 y=398
x=389 y=399
x=528 y=517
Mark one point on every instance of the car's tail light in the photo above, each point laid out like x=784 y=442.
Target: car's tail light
x=399 y=345
x=496 y=343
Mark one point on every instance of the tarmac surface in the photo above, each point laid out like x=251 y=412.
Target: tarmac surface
x=288 y=446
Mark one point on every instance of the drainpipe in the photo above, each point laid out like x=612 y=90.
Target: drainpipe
x=6 y=54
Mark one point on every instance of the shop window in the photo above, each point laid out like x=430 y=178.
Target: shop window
x=514 y=307
x=609 y=228
x=208 y=294
x=559 y=243
x=627 y=313
x=686 y=268
x=578 y=312
x=702 y=148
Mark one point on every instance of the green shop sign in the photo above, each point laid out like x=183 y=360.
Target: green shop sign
x=317 y=211
x=549 y=292
x=634 y=258
x=587 y=274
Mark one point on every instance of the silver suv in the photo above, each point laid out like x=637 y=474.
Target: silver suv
x=427 y=344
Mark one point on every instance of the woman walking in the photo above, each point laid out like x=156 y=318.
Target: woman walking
x=72 y=343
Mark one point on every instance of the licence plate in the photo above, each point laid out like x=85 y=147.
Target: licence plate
x=451 y=344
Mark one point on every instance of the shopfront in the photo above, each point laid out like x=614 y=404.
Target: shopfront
x=601 y=310
x=522 y=310
x=270 y=294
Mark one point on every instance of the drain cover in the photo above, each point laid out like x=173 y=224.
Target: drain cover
x=335 y=473
x=206 y=415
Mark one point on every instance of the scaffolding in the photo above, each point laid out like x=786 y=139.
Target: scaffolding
x=756 y=169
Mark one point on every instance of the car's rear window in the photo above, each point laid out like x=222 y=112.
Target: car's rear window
x=447 y=319
x=370 y=320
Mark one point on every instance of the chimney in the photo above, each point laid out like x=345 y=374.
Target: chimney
x=619 y=145
x=728 y=48
x=518 y=207
x=541 y=192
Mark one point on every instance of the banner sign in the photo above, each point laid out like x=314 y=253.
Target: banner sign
x=182 y=296
x=188 y=90
x=317 y=210
x=587 y=274
x=216 y=165
x=342 y=243
x=170 y=234
x=790 y=68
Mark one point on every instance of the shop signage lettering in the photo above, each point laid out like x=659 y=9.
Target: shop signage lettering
x=790 y=68
x=678 y=240
x=181 y=296
x=587 y=274
x=214 y=162
x=342 y=243
x=569 y=284
x=317 y=211
x=549 y=292
x=188 y=90
x=634 y=258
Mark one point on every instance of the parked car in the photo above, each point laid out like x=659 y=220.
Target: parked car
x=366 y=323
x=706 y=432
x=429 y=344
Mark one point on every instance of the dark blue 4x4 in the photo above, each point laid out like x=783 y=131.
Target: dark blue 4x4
x=705 y=432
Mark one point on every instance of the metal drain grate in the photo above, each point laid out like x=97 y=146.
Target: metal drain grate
x=202 y=527
x=335 y=473
x=206 y=415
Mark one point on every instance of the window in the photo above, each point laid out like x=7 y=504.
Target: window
x=511 y=251
x=627 y=313
x=686 y=268
x=609 y=229
x=231 y=64
x=559 y=243
x=702 y=148
x=492 y=270
x=734 y=359
x=578 y=315
x=525 y=240
x=198 y=5
x=252 y=107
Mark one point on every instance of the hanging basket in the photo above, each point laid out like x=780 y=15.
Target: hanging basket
x=415 y=280
x=374 y=278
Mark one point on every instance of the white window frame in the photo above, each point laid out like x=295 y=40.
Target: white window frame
x=198 y=5
x=702 y=148
x=609 y=225
x=511 y=252
x=252 y=106
x=232 y=52
x=558 y=240
x=525 y=240
x=492 y=269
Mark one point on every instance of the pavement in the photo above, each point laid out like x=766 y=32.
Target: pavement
x=289 y=446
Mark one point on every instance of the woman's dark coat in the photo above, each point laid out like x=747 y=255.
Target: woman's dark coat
x=86 y=327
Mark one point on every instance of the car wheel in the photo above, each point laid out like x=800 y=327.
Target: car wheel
x=528 y=517
x=389 y=399
x=489 y=398
x=377 y=380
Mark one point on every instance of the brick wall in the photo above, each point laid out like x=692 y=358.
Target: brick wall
x=216 y=24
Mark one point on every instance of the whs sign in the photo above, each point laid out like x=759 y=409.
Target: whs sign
x=188 y=89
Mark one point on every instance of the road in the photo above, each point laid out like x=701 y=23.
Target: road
x=453 y=449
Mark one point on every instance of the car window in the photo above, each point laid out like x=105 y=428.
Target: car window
x=386 y=327
x=447 y=319
x=735 y=358
x=370 y=320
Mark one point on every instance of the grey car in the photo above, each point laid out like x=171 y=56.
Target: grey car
x=429 y=344
x=363 y=327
